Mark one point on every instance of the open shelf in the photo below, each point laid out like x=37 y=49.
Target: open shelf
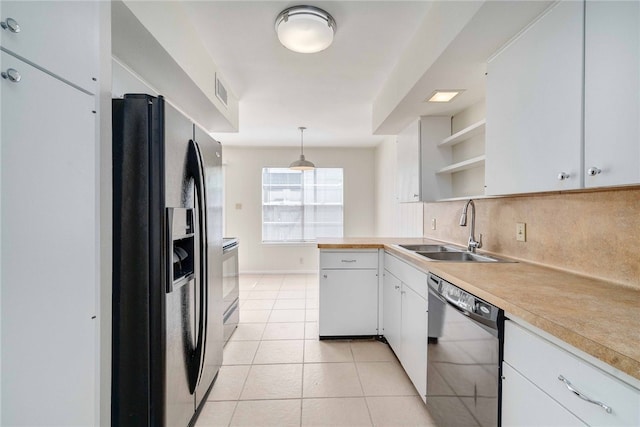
x=464 y=165
x=464 y=134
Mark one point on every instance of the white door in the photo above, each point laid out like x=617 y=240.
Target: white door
x=524 y=404
x=408 y=166
x=59 y=36
x=349 y=301
x=414 y=338
x=49 y=250
x=612 y=93
x=534 y=107
x=391 y=303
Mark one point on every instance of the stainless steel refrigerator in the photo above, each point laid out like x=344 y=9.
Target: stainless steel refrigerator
x=167 y=264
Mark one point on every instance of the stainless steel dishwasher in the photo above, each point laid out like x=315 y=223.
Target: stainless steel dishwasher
x=464 y=357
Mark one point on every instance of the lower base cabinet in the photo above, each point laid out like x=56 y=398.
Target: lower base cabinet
x=524 y=404
x=546 y=384
x=404 y=318
x=349 y=303
x=414 y=339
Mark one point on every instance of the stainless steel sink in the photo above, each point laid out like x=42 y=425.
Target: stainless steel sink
x=459 y=257
x=430 y=248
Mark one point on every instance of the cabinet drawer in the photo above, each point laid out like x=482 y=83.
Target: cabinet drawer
x=349 y=259
x=524 y=404
x=543 y=363
x=410 y=276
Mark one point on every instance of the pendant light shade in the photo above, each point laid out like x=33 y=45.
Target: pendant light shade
x=302 y=164
x=305 y=29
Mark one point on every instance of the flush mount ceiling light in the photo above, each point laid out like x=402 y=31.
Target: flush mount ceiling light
x=305 y=29
x=444 y=95
x=302 y=164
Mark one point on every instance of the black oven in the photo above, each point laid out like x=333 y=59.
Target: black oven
x=230 y=286
x=464 y=357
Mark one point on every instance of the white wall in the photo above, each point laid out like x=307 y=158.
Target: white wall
x=243 y=197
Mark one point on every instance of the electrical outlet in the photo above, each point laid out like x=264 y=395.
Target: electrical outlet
x=521 y=232
x=238 y=206
x=433 y=223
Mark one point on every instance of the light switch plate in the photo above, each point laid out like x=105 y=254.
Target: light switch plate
x=433 y=223
x=521 y=232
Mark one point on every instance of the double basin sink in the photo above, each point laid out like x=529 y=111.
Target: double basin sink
x=450 y=253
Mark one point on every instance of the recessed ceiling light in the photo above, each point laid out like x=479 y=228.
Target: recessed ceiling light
x=444 y=95
x=305 y=29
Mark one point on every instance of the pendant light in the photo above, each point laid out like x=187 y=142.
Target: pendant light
x=302 y=164
x=305 y=29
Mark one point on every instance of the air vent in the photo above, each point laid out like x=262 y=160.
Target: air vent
x=221 y=91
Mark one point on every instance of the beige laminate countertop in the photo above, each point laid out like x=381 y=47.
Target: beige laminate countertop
x=598 y=317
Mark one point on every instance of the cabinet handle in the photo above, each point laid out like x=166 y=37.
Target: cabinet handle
x=12 y=75
x=11 y=25
x=348 y=260
x=593 y=171
x=563 y=175
x=324 y=275
x=415 y=196
x=396 y=287
x=570 y=387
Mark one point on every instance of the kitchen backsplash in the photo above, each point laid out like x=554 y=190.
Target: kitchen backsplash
x=594 y=233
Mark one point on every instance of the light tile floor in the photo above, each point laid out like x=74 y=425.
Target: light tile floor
x=277 y=373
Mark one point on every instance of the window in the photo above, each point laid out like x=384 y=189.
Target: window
x=299 y=206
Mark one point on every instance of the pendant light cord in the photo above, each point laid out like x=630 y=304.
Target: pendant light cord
x=302 y=128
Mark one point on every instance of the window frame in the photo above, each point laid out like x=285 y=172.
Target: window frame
x=303 y=205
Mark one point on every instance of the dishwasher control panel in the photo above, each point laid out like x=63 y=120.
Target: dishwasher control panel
x=465 y=302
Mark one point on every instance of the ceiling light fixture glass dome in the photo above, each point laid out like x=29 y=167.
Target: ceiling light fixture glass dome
x=305 y=29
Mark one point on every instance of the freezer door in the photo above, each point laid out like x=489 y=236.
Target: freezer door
x=211 y=151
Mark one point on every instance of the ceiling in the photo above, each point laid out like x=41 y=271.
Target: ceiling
x=333 y=92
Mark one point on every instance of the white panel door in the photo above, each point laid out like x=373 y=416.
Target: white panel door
x=391 y=309
x=414 y=339
x=59 y=36
x=49 y=250
x=408 y=166
x=612 y=93
x=534 y=107
x=348 y=302
x=524 y=404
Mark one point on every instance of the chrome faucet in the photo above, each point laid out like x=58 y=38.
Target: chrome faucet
x=473 y=244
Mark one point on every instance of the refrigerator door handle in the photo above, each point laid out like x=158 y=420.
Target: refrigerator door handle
x=196 y=170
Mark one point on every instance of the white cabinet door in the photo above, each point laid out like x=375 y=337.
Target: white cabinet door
x=50 y=250
x=534 y=107
x=414 y=339
x=58 y=36
x=391 y=306
x=556 y=371
x=348 y=302
x=612 y=93
x=408 y=163
x=524 y=404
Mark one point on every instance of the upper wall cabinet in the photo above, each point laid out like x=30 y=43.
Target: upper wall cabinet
x=408 y=163
x=612 y=93
x=534 y=106
x=57 y=36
